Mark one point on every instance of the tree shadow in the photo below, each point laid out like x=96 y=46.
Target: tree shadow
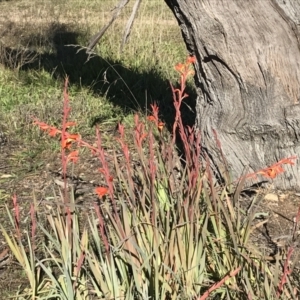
x=129 y=89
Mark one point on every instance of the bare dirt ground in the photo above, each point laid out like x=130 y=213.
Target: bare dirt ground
x=276 y=213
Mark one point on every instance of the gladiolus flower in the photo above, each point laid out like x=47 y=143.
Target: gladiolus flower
x=69 y=124
x=73 y=156
x=73 y=137
x=42 y=125
x=160 y=126
x=101 y=191
x=191 y=59
x=190 y=73
x=66 y=144
x=53 y=131
x=180 y=68
x=271 y=172
x=151 y=118
x=275 y=169
x=69 y=139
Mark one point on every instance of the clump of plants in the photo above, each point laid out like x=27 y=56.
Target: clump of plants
x=161 y=226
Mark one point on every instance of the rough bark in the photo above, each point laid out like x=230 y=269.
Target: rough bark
x=247 y=78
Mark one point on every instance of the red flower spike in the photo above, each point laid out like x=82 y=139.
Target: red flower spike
x=274 y=170
x=121 y=129
x=287 y=161
x=136 y=119
x=101 y=191
x=154 y=108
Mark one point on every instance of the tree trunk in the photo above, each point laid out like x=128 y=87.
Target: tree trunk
x=247 y=78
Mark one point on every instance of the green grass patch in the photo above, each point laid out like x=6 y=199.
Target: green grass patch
x=107 y=87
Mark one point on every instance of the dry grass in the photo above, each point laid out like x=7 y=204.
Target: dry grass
x=24 y=18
